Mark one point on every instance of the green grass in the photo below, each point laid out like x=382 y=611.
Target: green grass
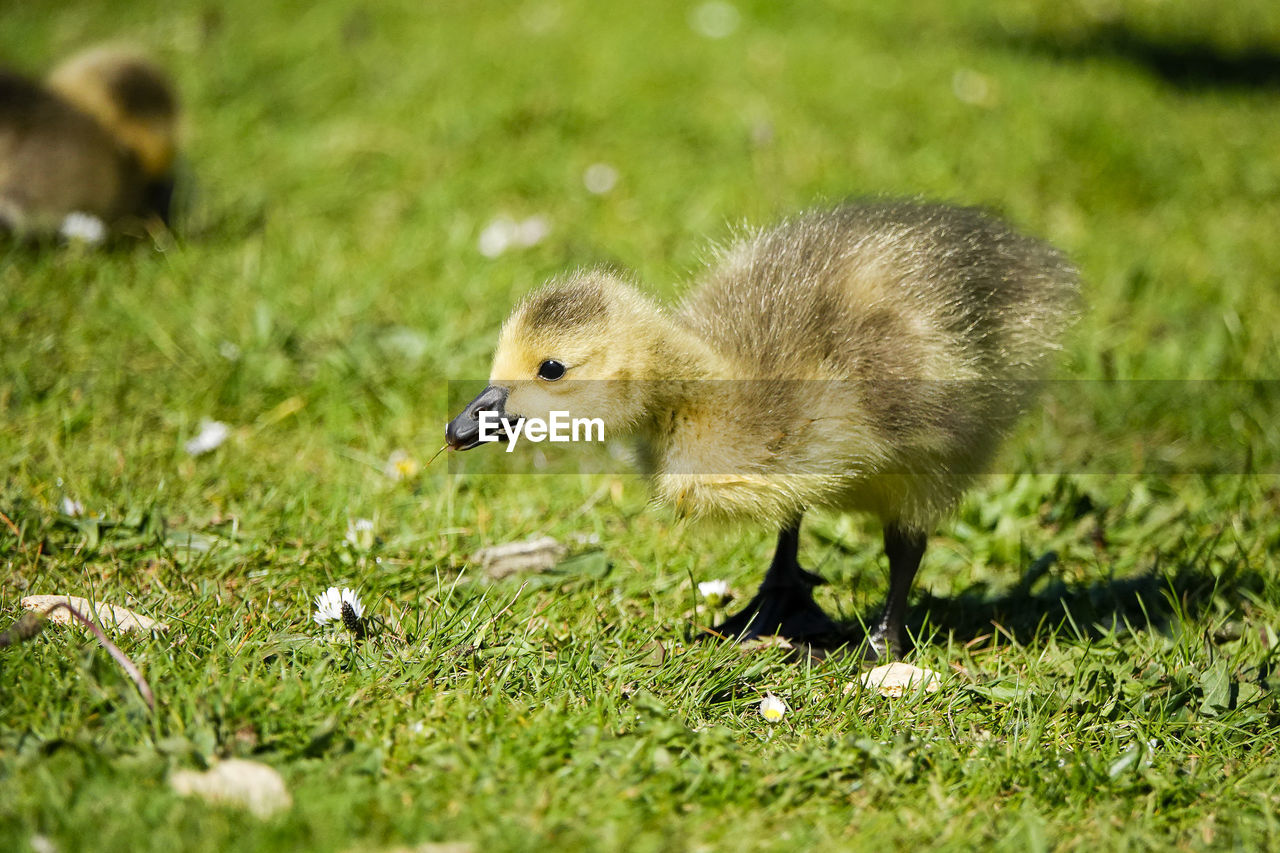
x=326 y=286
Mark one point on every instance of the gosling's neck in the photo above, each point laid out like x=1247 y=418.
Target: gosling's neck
x=681 y=371
x=678 y=353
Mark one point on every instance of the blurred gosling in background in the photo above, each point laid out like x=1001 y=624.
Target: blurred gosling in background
x=91 y=151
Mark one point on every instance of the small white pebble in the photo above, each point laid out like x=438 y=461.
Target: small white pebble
x=895 y=679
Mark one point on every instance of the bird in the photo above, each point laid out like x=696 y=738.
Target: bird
x=864 y=357
x=96 y=141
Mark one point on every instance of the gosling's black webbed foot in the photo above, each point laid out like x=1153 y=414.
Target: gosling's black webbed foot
x=784 y=603
x=789 y=612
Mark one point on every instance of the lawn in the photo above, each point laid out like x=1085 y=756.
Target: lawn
x=326 y=288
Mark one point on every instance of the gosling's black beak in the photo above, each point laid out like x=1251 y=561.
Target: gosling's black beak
x=158 y=198
x=463 y=432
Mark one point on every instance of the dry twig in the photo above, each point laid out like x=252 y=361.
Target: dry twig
x=30 y=624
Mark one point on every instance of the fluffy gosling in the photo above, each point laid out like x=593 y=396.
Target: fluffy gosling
x=876 y=352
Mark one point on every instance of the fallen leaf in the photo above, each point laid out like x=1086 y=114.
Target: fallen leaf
x=1215 y=683
x=112 y=616
x=533 y=555
x=1126 y=761
x=236 y=782
x=997 y=692
x=895 y=679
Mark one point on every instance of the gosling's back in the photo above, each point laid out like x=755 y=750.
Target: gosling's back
x=904 y=340
x=894 y=289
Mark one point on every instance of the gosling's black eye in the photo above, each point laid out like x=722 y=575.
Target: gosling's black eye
x=551 y=370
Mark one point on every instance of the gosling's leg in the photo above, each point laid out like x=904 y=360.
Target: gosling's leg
x=904 y=549
x=784 y=603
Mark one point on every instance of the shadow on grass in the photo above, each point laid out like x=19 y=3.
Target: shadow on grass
x=1160 y=600
x=1152 y=601
x=1189 y=63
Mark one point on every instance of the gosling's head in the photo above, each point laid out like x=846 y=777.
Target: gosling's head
x=587 y=345
x=135 y=102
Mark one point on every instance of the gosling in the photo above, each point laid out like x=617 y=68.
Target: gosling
x=97 y=140
x=879 y=352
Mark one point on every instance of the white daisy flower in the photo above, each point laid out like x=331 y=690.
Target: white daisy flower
x=328 y=606
x=400 y=466
x=496 y=237
x=772 y=708
x=73 y=508
x=504 y=233
x=360 y=534
x=211 y=436
x=334 y=605
x=714 y=593
x=532 y=231
x=83 y=228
